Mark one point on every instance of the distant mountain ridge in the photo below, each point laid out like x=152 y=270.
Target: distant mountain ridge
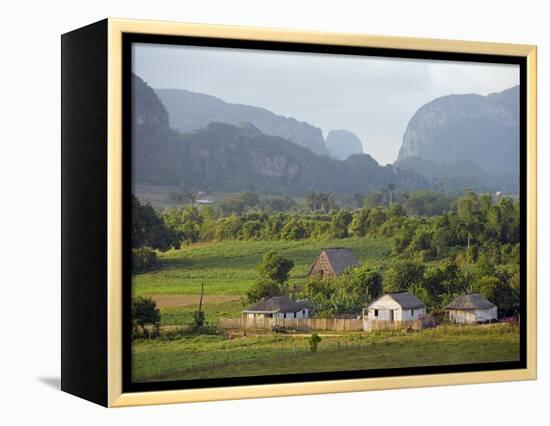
x=189 y=111
x=230 y=158
x=455 y=176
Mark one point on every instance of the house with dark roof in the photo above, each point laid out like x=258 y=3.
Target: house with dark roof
x=400 y=306
x=332 y=262
x=279 y=307
x=471 y=309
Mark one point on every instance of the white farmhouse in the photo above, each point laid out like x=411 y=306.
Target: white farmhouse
x=279 y=307
x=471 y=309
x=401 y=306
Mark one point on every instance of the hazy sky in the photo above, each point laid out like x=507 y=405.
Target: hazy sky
x=370 y=96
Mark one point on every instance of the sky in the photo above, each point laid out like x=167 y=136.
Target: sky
x=372 y=97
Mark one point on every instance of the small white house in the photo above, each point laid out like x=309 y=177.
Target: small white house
x=402 y=306
x=471 y=309
x=279 y=307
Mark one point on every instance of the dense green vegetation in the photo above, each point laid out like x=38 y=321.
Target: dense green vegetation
x=428 y=243
x=207 y=356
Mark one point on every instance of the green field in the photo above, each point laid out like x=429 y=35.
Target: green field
x=228 y=270
x=229 y=267
x=219 y=356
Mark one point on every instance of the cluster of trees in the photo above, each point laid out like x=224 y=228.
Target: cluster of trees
x=345 y=294
x=471 y=221
x=474 y=238
x=436 y=285
x=416 y=224
x=478 y=226
x=273 y=274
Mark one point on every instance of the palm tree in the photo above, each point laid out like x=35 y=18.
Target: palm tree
x=390 y=188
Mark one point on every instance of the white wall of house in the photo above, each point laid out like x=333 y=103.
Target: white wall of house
x=472 y=316
x=382 y=310
x=304 y=313
x=412 y=314
x=487 y=314
x=251 y=316
x=384 y=314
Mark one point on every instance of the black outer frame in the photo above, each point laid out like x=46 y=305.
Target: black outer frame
x=84 y=212
x=129 y=38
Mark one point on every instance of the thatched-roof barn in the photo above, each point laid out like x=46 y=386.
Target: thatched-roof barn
x=279 y=307
x=400 y=306
x=471 y=309
x=332 y=262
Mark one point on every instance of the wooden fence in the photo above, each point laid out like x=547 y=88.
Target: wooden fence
x=300 y=324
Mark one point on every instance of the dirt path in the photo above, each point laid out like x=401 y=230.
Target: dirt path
x=171 y=300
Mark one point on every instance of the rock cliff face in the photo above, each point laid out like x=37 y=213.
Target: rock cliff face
x=342 y=144
x=481 y=129
x=230 y=158
x=235 y=158
x=191 y=111
x=153 y=140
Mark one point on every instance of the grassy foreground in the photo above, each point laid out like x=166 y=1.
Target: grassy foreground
x=217 y=356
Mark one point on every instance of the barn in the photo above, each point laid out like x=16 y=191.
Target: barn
x=279 y=307
x=332 y=262
x=400 y=306
x=471 y=309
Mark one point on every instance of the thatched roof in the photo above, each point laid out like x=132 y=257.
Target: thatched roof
x=340 y=258
x=305 y=304
x=470 y=301
x=271 y=305
x=404 y=299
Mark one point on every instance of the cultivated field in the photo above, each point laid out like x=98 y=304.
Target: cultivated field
x=264 y=354
x=228 y=270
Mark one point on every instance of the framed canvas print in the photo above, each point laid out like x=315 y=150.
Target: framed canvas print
x=254 y=212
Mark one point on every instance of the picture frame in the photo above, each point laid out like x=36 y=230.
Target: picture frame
x=96 y=352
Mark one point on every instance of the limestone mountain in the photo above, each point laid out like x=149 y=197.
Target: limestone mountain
x=480 y=129
x=342 y=144
x=189 y=111
x=229 y=158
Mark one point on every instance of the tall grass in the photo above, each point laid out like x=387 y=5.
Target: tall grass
x=264 y=354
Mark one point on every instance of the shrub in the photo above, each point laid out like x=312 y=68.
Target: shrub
x=198 y=319
x=143 y=259
x=314 y=341
x=145 y=312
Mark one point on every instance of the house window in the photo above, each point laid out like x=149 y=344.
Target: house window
x=294 y=314
x=412 y=312
x=284 y=315
x=376 y=312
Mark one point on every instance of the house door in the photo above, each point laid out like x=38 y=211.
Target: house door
x=391 y=314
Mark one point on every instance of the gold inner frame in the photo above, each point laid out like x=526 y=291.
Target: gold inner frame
x=116 y=398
